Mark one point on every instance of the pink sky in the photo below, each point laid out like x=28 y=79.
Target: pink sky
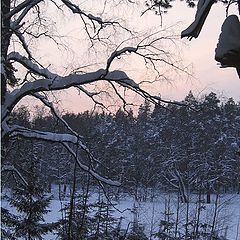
x=200 y=52
x=207 y=76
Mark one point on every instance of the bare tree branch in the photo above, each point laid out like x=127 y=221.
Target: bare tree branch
x=25 y=9
x=16 y=130
x=89 y=170
x=21 y=6
x=28 y=22
x=11 y=168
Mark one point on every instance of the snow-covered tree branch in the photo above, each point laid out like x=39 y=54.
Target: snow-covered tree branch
x=26 y=24
x=227 y=52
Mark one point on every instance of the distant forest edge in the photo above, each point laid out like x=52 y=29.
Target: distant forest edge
x=170 y=148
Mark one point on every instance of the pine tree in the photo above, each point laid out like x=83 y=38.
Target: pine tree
x=137 y=230
x=31 y=203
x=103 y=221
x=77 y=222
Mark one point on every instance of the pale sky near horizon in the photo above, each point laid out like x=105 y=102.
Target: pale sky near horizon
x=207 y=76
x=200 y=52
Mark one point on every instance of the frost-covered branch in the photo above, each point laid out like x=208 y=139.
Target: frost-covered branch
x=11 y=168
x=203 y=9
x=33 y=67
x=59 y=83
x=16 y=130
x=89 y=169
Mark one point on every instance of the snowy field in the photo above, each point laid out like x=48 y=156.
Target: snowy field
x=150 y=213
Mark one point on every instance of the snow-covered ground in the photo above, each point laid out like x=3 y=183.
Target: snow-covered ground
x=150 y=213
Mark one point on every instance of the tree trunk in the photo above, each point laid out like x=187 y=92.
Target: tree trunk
x=239 y=7
x=72 y=200
x=208 y=194
x=85 y=204
x=177 y=217
x=6 y=34
x=187 y=220
x=198 y=213
x=214 y=216
x=208 y=197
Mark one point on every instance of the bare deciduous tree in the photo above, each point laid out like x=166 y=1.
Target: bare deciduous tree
x=26 y=24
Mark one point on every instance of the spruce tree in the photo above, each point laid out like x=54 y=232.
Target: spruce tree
x=104 y=223
x=137 y=230
x=30 y=202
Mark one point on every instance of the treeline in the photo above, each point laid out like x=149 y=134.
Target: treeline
x=183 y=148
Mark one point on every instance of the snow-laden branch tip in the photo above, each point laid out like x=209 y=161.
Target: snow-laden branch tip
x=122 y=79
x=27 y=63
x=118 y=53
x=16 y=130
x=11 y=168
x=203 y=9
x=228 y=47
x=55 y=82
x=90 y=170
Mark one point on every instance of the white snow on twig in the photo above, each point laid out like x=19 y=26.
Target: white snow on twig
x=90 y=170
x=228 y=47
x=10 y=167
x=30 y=65
x=16 y=130
x=195 y=28
x=118 y=53
x=59 y=83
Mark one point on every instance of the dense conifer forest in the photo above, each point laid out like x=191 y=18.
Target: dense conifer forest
x=182 y=149
x=171 y=147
